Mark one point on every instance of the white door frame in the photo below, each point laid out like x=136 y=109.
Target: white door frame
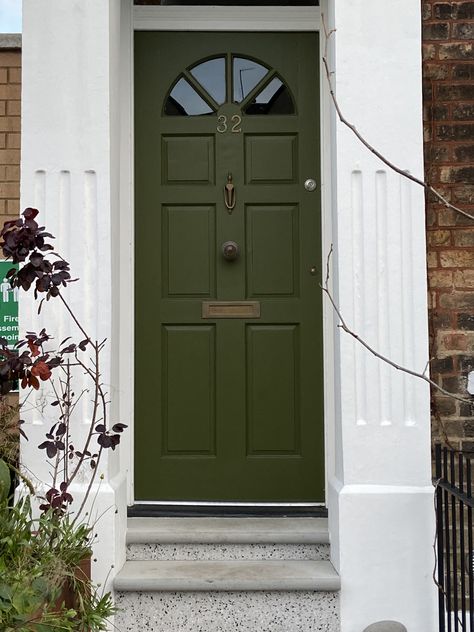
x=203 y=18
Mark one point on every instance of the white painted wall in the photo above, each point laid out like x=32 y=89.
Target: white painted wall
x=69 y=171
x=381 y=497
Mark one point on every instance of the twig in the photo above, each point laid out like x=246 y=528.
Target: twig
x=428 y=187
x=89 y=487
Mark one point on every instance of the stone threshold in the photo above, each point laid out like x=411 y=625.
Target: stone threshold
x=227 y=531
x=227 y=575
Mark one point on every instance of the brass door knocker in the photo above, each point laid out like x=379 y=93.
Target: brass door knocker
x=229 y=194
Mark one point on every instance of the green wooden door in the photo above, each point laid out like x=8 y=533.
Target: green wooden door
x=228 y=397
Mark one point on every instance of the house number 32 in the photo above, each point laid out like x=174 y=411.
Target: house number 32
x=223 y=124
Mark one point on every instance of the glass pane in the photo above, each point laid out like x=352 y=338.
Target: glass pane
x=211 y=76
x=247 y=74
x=185 y=101
x=273 y=99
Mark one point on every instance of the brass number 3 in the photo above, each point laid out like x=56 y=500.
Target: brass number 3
x=222 y=124
x=222 y=127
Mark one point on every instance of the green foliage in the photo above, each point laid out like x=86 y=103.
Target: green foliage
x=38 y=558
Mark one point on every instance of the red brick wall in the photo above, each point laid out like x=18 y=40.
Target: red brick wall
x=448 y=74
x=10 y=125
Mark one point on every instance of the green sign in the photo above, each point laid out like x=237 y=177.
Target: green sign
x=8 y=305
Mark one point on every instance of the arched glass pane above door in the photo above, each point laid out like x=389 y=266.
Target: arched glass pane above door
x=210 y=83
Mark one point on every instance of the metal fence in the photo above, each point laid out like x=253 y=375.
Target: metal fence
x=455 y=569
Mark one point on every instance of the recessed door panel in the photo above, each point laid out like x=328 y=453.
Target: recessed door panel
x=272 y=250
x=270 y=158
x=188 y=159
x=228 y=324
x=188 y=402
x=188 y=250
x=273 y=390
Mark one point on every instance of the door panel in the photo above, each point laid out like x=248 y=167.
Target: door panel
x=188 y=159
x=188 y=250
x=188 y=358
x=273 y=420
x=272 y=250
x=227 y=408
x=270 y=159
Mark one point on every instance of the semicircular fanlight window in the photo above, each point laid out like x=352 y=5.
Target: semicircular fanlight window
x=203 y=87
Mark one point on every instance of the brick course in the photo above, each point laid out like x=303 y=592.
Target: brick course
x=448 y=73
x=10 y=127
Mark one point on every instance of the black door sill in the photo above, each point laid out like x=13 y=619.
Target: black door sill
x=215 y=511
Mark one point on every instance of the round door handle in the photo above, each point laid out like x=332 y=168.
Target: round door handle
x=310 y=185
x=230 y=250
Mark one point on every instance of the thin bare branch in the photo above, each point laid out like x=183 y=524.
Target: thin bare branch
x=89 y=487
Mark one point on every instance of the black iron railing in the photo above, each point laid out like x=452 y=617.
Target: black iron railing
x=455 y=569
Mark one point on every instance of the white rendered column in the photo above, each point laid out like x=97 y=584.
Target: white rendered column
x=380 y=492
x=70 y=162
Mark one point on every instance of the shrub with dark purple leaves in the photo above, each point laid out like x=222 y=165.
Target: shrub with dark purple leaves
x=31 y=362
x=24 y=239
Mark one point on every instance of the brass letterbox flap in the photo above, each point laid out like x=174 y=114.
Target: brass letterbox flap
x=231 y=309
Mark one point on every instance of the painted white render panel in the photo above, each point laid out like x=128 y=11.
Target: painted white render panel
x=381 y=497
x=70 y=138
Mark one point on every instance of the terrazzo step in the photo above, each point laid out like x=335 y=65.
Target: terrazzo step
x=228 y=575
x=227 y=539
x=257 y=611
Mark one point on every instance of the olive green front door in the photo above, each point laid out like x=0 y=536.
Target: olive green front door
x=228 y=321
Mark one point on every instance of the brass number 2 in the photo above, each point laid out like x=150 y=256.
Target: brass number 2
x=222 y=127
x=236 y=120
